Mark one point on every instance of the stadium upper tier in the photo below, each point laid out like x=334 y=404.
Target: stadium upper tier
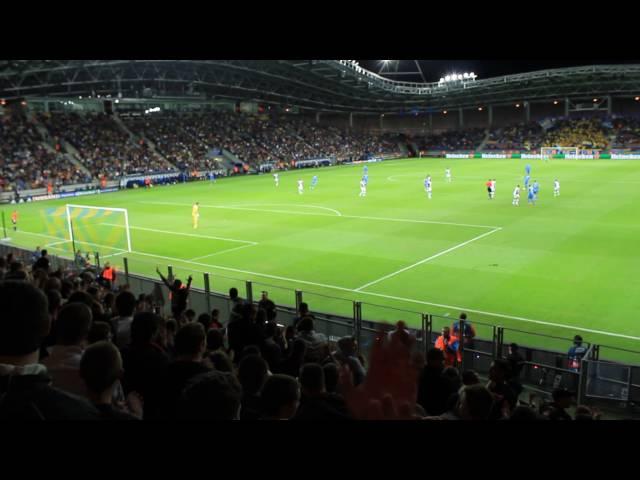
x=68 y=148
x=323 y=85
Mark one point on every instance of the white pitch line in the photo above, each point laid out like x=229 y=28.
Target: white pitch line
x=455 y=247
x=387 y=219
x=337 y=212
x=222 y=251
x=113 y=254
x=57 y=243
x=211 y=237
x=392 y=297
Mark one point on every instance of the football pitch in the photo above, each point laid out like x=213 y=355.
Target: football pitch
x=568 y=265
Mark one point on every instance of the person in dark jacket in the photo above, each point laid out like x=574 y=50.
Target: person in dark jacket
x=25 y=387
x=252 y=373
x=315 y=403
x=161 y=401
x=144 y=358
x=101 y=370
x=434 y=389
x=179 y=295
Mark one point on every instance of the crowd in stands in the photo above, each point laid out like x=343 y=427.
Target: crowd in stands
x=627 y=132
x=187 y=139
x=523 y=136
x=25 y=162
x=74 y=347
x=454 y=140
x=587 y=132
x=103 y=147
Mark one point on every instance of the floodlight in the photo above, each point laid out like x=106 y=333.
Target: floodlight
x=447 y=78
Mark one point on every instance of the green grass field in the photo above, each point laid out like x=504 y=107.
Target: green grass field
x=567 y=265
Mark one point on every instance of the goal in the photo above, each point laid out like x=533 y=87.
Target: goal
x=87 y=229
x=551 y=152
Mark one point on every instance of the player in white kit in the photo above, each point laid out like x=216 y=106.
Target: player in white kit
x=447 y=174
x=363 y=188
x=516 y=196
x=300 y=186
x=276 y=178
x=493 y=188
x=556 y=188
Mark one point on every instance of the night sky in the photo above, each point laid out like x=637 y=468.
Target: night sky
x=433 y=70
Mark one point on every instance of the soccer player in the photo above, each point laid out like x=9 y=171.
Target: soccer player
x=516 y=196
x=527 y=177
x=489 y=185
x=531 y=198
x=536 y=189
x=527 y=169
x=14 y=220
x=366 y=178
x=276 y=178
x=556 y=188
x=365 y=170
x=314 y=181
x=363 y=188
x=447 y=174
x=300 y=186
x=427 y=186
x=493 y=188
x=195 y=215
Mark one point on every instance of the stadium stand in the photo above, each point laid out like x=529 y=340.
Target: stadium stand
x=204 y=379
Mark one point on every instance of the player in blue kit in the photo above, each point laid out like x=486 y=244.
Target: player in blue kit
x=527 y=178
x=527 y=169
x=536 y=189
x=314 y=181
x=366 y=179
x=531 y=198
x=365 y=170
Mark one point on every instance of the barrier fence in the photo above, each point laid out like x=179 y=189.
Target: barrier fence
x=544 y=369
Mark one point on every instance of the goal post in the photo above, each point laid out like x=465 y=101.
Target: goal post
x=105 y=227
x=550 y=152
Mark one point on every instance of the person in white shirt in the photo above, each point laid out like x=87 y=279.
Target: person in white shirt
x=300 y=186
x=493 y=188
x=447 y=174
x=556 y=188
x=516 y=196
x=125 y=306
x=276 y=178
x=363 y=188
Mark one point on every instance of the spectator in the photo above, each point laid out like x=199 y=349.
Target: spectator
x=434 y=389
x=469 y=377
x=213 y=395
x=125 y=306
x=268 y=306
x=476 y=403
x=43 y=262
x=243 y=330
x=331 y=378
x=100 y=332
x=315 y=404
x=144 y=358
x=562 y=399
x=161 y=400
x=179 y=295
x=317 y=345
x=585 y=413
x=347 y=354
x=293 y=362
x=101 y=370
x=63 y=362
x=499 y=386
x=24 y=383
x=215 y=319
x=271 y=347
x=204 y=319
x=236 y=304
x=190 y=315
x=252 y=373
x=469 y=332
x=280 y=397
x=221 y=361
x=303 y=311
x=524 y=414
x=516 y=363
x=576 y=352
x=448 y=344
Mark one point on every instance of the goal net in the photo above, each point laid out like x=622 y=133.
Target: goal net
x=556 y=152
x=89 y=229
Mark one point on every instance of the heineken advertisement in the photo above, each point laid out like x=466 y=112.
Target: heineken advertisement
x=560 y=156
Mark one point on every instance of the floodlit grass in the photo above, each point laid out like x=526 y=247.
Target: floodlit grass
x=567 y=265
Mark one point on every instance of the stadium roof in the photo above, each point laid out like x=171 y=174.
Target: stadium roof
x=322 y=85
